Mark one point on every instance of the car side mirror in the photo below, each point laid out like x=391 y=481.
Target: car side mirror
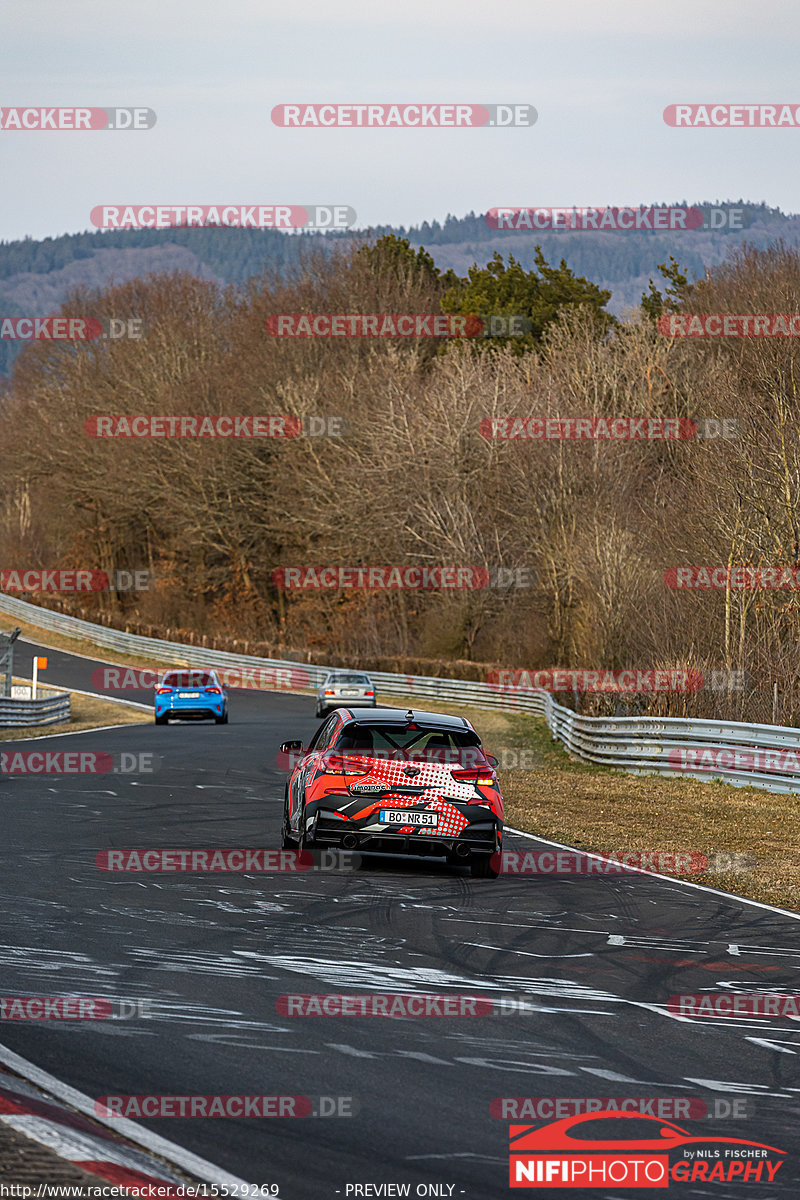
x=493 y=762
x=291 y=747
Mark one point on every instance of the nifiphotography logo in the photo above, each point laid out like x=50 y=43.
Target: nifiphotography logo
x=613 y=1148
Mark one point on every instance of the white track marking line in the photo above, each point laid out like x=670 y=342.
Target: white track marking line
x=102 y=696
x=73 y=733
x=700 y=887
x=770 y=1045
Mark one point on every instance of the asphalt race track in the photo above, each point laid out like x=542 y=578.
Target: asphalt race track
x=596 y=957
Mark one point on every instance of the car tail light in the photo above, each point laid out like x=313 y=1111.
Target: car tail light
x=329 y=692
x=337 y=764
x=163 y=691
x=482 y=775
x=369 y=693
x=214 y=691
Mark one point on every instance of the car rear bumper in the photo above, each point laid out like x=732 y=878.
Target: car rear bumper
x=345 y=702
x=189 y=712
x=475 y=841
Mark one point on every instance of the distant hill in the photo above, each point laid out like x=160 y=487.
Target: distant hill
x=621 y=262
x=35 y=276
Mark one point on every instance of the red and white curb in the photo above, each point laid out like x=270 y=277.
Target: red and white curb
x=41 y=1113
x=73 y=1137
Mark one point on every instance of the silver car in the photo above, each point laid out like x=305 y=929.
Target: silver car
x=346 y=689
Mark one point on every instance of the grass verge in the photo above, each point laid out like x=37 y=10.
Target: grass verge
x=609 y=812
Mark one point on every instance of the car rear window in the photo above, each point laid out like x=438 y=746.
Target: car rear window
x=349 y=679
x=425 y=740
x=188 y=679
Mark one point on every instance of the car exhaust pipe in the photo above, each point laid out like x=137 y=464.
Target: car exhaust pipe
x=349 y=841
x=462 y=850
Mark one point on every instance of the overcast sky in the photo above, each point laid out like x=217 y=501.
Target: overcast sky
x=599 y=73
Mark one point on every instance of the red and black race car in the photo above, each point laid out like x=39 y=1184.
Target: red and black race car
x=396 y=782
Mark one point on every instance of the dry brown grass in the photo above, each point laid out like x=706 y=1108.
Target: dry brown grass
x=606 y=811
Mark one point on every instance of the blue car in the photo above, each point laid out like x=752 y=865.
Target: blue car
x=191 y=696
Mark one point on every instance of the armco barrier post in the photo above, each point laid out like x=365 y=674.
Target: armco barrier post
x=7 y=658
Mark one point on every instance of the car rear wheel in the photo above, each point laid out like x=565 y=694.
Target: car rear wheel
x=161 y=720
x=287 y=841
x=320 y=712
x=223 y=720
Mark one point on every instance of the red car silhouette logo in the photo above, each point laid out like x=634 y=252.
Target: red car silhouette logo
x=579 y=1153
x=666 y=1136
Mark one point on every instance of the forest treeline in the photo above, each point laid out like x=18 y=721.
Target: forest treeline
x=620 y=261
x=591 y=525
x=236 y=254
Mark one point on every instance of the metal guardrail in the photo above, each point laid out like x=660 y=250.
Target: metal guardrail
x=54 y=709
x=762 y=756
x=7 y=660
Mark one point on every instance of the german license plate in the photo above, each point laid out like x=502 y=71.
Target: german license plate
x=402 y=816
x=350 y=692
x=188 y=695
